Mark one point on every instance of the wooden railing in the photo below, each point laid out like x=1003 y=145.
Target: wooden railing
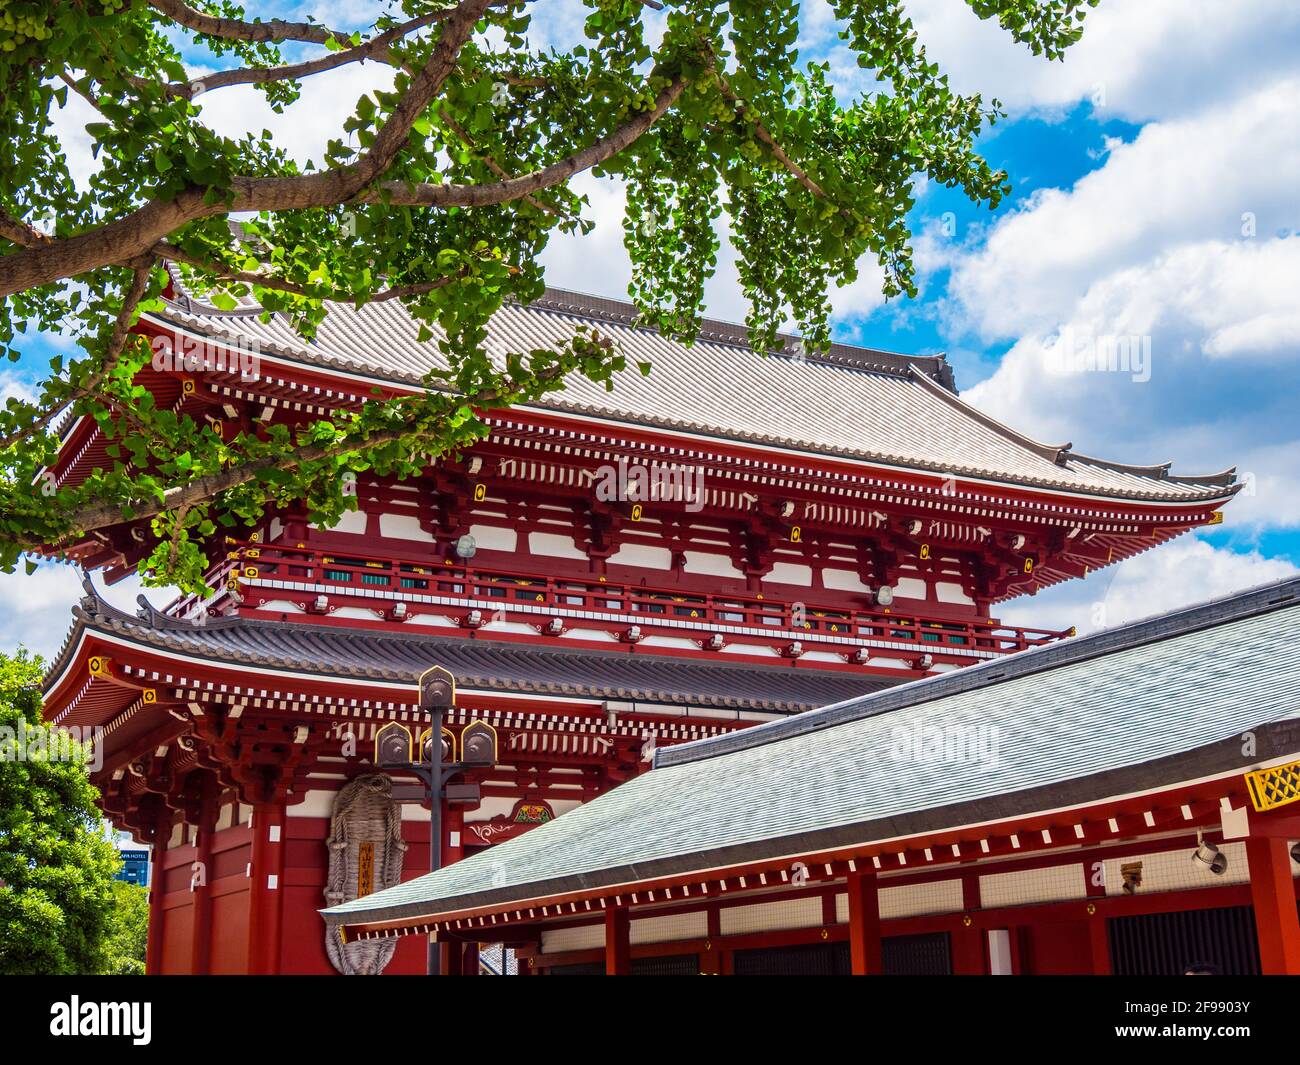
x=633 y=604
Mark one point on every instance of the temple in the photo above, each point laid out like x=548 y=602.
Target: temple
x=734 y=539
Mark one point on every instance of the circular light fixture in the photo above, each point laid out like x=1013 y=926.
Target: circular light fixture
x=466 y=546
x=884 y=595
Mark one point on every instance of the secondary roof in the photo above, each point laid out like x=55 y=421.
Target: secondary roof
x=337 y=652
x=1144 y=706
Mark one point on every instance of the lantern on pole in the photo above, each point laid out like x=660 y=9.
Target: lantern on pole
x=393 y=745
x=478 y=745
x=424 y=752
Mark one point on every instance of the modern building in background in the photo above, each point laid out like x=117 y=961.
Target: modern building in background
x=135 y=867
x=731 y=540
x=135 y=860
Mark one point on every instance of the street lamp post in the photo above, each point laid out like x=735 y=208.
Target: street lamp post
x=394 y=753
x=437 y=696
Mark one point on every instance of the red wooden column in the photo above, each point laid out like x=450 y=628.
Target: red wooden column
x=451 y=955
x=711 y=956
x=864 y=924
x=157 y=889
x=266 y=889
x=1272 y=892
x=1098 y=928
x=1099 y=945
x=201 y=880
x=968 y=939
x=618 y=946
x=449 y=959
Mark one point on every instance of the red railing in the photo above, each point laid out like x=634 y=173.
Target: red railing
x=634 y=604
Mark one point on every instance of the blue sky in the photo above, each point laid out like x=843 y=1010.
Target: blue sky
x=1155 y=176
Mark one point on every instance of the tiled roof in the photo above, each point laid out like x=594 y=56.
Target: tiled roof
x=1154 y=704
x=334 y=651
x=852 y=402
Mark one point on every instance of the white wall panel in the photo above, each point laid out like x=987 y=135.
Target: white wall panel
x=771 y=916
x=1026 y=886
x=665 y=929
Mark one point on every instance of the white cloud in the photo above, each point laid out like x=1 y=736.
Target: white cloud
x=1150 y=245
x=597 y=262
x=1211 y=310
x=1176 y=183
x=14 y=387
x=1222 y=328
x=70 y=124
x=38 y=608
x=1139 y=60
x=306 y=126
x=1165 y=578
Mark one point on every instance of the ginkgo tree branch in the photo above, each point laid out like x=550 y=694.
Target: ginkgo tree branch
x=112 y=352
x=809 y=186
x=491 y=163
x=233 y=29
x=426 y=194
x=16 y=231
x=747 y=113
x=140 y=230
x=378 y=48
x=269 y=281
x=115 y=241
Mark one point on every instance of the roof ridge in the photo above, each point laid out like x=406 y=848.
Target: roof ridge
x=718 y=330
x=1263 y=599
x=1061 y=453
x=623 y=312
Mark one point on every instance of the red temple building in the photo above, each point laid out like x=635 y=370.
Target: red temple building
x=784 y=532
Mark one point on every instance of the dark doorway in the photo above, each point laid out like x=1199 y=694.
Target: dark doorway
x=668 y=965
x=1164 y=944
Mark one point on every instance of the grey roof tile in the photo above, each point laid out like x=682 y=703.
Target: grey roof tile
x=495 y=665
x=1160 y=690
x=854 y=403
